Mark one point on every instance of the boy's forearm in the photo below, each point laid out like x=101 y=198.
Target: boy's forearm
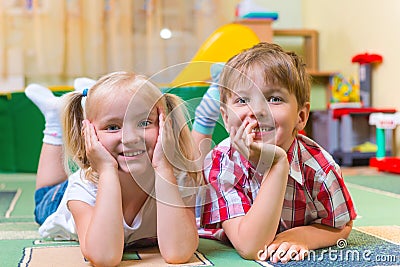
x=324 y=236
x=258 y=227
x=315 y=236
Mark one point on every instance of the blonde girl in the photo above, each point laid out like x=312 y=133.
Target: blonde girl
x=136 y=180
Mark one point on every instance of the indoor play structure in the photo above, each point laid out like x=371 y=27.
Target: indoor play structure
x=221 y=45
x=344 y=129
x=366 y=62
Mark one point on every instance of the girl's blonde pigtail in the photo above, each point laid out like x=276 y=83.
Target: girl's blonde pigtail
x=177 y=111
x=74 y=141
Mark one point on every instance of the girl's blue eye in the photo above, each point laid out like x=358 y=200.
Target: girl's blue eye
x=113 y=128
x=242 y=100
x=144 y=123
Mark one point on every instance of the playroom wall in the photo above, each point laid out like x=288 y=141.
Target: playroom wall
x=348 y=28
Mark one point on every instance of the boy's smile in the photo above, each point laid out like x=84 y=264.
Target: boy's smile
x=262 y=132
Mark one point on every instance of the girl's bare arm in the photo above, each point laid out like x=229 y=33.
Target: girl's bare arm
x=100 y=228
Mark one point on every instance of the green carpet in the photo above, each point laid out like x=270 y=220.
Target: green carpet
x=6 y=199
x=376 y=199
x=22 y=211
x=360 y=250
x=385 y=182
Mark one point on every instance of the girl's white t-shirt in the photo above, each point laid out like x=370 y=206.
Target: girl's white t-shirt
x=61 y=226
x=143 y=231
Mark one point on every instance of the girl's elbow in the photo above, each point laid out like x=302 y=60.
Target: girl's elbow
x=179 y=255
x=103 y=259
x=176 y=257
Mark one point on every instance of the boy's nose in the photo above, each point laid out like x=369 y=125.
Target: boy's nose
x=260 y=108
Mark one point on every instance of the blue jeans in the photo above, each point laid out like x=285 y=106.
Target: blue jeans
x=47 y=200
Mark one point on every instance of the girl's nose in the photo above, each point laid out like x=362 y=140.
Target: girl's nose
x=130 y=136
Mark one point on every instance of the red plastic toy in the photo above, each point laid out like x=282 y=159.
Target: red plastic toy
x=367 y=58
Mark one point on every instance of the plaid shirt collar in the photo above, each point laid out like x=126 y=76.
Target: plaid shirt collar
x=294 y=158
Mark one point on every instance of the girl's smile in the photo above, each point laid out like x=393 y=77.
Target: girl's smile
x=128 y=131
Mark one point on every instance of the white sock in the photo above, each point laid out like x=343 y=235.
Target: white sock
x=50 y=106
x=82 y=83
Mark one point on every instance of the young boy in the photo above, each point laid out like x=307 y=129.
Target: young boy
x=275 y=193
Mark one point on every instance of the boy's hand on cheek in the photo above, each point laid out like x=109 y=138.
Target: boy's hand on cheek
x=242 y=138
x=261 y=155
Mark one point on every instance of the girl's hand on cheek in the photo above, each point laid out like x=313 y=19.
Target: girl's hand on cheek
x=97 y=154
x=164 y=148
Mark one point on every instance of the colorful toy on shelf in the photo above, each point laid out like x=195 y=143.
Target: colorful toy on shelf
x=249 y=9
x=366 y=60
x=344 y=91
x=384 y=121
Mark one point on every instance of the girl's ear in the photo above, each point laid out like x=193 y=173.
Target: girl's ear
x=303 y=115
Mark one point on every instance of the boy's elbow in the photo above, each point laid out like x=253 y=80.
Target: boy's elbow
x=347 y=229
x=249 y=252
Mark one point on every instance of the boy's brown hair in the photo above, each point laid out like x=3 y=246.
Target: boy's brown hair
x=279 y=67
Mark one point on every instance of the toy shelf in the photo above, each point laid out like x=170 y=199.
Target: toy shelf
x=310 y=44
x=261 y=27
x=340 y=130
x=320 y=90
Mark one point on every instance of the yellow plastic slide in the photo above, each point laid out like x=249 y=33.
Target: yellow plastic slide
x=221 y=45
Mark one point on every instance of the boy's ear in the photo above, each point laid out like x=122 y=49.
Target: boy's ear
x=303 y=115
x=224 y=115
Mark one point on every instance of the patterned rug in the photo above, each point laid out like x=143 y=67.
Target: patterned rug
x=22 y=246
x=361 y=249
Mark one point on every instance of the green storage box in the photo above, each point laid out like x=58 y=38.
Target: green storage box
x=22 y=124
